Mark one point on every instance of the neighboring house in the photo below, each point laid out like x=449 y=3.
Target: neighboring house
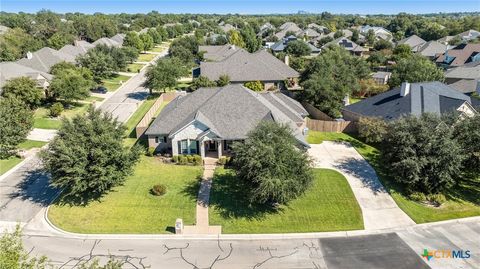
x=43 y=59
x=288 y=27
x=209 y=120
x=217 y=53
x=143 y=31
x=265 y=28
x=432 y=49
x=347 y=44
x=11 y=70
x=107 y=42
x=171 y=24
x=73 y=50
x=84 y=44
x=469 y=35
x=412 y=99
x=118 y=38
x=242 y=66
x=316 y=27
x=446 y=39
x=459 y=55
x=380 y=32
x=282 y=45
x=310 y=33
x=226 y=27
x=381 y=77
x=464 y=78
x=415 y=42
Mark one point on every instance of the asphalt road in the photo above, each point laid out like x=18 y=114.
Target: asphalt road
x=129 y=96
x=400 y=250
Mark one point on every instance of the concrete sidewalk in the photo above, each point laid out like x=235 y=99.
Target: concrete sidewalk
x=44 y=135
x=378 y=208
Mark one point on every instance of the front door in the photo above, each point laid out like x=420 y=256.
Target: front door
x=211 y=145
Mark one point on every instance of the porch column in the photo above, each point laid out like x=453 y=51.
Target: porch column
x=219 y=148
x=188 y=145
x=174 y=147
x=202 y=149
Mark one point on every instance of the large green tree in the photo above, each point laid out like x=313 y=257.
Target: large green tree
x=467 y=133
x=87 y=157
x=133 y=40
x=15 y=43
x=420 y=153
x=102 y=65
x=415 y=68
x=164 y=74
x=331 y=76
x=252 y=41
x=298 y=48
x=15 y=124
x=25 y=89
x=72 y=84
x=235 y=38
x=271 y=166
x=147 y=42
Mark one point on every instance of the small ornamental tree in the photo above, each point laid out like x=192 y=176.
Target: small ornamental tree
x=255 y=86
x=16 y=121
x=25 y=89
x=270 y=165
x=420 y=153
x=87 y=157
x=201 y=82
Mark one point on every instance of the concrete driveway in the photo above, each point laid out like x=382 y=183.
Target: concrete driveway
x=378 y=208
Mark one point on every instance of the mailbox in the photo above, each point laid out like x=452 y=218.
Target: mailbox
x=179 y=226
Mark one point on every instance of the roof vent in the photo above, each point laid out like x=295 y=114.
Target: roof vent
x=405 y=89
x=29 y=55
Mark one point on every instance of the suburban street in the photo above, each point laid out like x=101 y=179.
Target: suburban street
x=341 y=250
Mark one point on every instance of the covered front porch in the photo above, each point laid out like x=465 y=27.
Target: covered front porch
x=211 y=148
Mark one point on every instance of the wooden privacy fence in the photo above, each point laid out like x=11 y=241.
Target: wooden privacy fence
x=316 y=113
x=331 y=126
x=142 y=126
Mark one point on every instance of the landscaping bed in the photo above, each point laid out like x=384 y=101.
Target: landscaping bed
x=462 y=200
x=42 y=119
x=131 y=208
x=329 y=205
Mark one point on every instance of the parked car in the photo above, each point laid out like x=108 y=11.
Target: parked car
x=100 y=89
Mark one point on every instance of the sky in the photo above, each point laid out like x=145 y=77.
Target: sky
x=243 y=6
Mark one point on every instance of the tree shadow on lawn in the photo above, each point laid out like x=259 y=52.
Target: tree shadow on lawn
x=229 y=196
x=467 y=189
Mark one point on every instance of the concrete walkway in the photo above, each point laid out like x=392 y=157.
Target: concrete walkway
x=201 y=225
x=379 y=209
x=44 y=135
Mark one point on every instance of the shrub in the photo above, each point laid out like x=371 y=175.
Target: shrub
x=438 y=199
x=189 y=158
x=418 y=197
x=255 y=86
x=182 y=159
x=175 y=158
x=222 y=160
x=56 y=109
x=197 y=160
x=372 y=129
x=159 y=190
x=150 y=151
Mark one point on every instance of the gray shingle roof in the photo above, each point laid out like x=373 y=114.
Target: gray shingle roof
x=432 y=49
x=107 y=41
x=45 y=58
x=244 y=66
x=10 y=70
x=118 y=38
x=346 y=44
x=470 y=71
x=414 y=41
x=230 y=112
x=217 y=53
x=466 y=85
x=423 y=97
x=282 y=44
x=73 y=50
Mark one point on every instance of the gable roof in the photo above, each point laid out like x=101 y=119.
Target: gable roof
x=107 y=42
x=84 y=44
x=288 y=27
x=230 y=112
x=414 y=41
x=466 y=85
x=45 y=58
x=469 y=35
x=468 y=71
x=243 y=66
x=459 y=55
x=432 y=49
x=73 y=50
x=217 y=53
x=433 y=97
x=10 y=70
x=346 y=44
x=118 y=38
x=281 y=45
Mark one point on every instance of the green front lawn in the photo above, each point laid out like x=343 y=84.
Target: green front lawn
x=134 y=68
x=462 y=201
x=157 y=49
x=131 y=208
x=329 y=205
x=113 y=83
x=29 y=144
x=43 y=120
x=92 y=99
x=7 y=164
x=145 y=57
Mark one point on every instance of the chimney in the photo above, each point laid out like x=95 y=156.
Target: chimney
x=29 y=55
x=287 y=60
x=405 y=89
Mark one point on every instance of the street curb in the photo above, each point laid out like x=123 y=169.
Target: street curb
x=247 y=237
